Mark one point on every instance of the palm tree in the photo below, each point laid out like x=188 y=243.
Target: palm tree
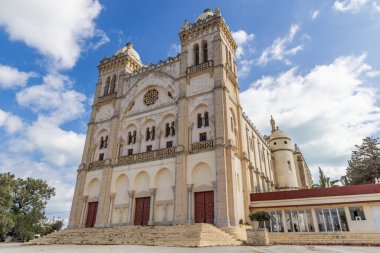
x=324 y=182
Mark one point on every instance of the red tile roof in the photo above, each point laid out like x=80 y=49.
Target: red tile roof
x=317 y=192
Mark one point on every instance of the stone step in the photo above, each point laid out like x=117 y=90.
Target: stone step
x=328 y=238
x=197 y=235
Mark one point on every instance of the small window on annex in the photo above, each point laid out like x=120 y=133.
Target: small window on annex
x=357 y=213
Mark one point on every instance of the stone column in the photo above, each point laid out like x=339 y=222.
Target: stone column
x=104 y=196
x=130 y=207
x=173 y=188
x=78 y=203
x=190 y=203
x=152 y=192
x=283 y=215
x=315 y=222
x=84 y=210
x=110 y=211
x=214 y=184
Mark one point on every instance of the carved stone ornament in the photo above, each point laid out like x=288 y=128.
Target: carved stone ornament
x=150 y=97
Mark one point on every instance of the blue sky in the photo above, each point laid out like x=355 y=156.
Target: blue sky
x=313 y=65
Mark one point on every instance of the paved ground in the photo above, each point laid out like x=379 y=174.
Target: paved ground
x=19 y=248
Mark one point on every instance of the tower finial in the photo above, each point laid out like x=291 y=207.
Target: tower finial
x=273 y=124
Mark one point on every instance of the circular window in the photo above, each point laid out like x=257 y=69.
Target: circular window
x=285 y=142
x=150 y=97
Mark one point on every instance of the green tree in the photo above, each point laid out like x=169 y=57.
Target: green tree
x=6 y=201
x=30 y=199
x=364 y=165
x=324 y=181
x=22 y=205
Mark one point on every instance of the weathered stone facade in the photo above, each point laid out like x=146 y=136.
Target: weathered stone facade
x=162 y=137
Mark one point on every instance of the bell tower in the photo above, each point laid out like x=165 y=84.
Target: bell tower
x=208 y=80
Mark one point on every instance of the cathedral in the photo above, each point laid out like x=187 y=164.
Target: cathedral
x=169 y=143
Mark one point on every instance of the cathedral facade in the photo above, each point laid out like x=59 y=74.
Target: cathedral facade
x=169 y=143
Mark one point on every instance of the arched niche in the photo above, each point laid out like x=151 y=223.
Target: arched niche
x=121 y=189
x=201 y=175
x=141 y=182
x=163 y=183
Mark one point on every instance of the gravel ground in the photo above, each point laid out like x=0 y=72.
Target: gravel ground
x=19 y=248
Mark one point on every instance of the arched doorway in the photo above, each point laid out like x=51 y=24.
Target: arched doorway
x=203 y=194
x=92 y=209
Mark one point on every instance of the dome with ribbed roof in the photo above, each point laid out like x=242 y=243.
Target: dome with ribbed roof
x=128 y=49
x=207 y=13
x=278 y=134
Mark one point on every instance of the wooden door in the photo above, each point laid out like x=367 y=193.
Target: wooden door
x=204 y=207
x=91 y=214
x=142 y=211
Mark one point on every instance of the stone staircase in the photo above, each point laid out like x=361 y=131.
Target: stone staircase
x=325 y=238
x=197 y=235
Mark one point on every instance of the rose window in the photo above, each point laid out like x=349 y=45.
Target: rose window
x=150 y=97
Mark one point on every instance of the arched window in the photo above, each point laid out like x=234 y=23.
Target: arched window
x=101 y=143
x=196 y=54
x=129 y=138
x=232 y=124
x=134 y=136
x=113 y=84
x=167 y=130
x=106 y=142
x=206 y=119
x=153 y=132
x=106 y=87
x=205 y=52
x=147 y=134
x=199 y=120
x=173 y=128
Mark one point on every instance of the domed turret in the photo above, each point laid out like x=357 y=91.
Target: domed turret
x=284 y=166
x=207 y=13
x=129 y=50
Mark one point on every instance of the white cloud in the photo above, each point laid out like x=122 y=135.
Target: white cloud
x=376 y=6
x=279 y=50
x=58 y=30
x=174 y=50
x=326 y=111
x=10 y=122
x=59 y=147
x=54 y=99
x=11 y=77
x=243 y=41
x=314 y=15
x=349 y=5
x=244 y=51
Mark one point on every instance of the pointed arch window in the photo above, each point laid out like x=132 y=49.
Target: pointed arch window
x=205 y=52
x=106 y=86
x=172 y=128
x=167 y=130
x=196 y=54
x=206 y=119
x=113 y=84
x=147 y=134
x=129 y=138
x=199 y=120
x=134 y=136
